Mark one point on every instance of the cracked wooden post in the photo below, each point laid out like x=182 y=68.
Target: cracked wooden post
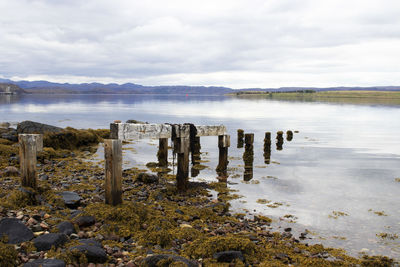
x=162 y=154
x=113 y=171
x=182 y=149
x=29 y=145
x=224 y=141
x=279 y=140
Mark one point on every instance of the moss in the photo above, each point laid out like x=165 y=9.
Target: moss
x=5 y=142
x=206 y=247
x=72 y=139
x=8 y=255
x=17 y=199
x=376 y=261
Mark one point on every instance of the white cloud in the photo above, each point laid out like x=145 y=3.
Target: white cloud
x=232 y=43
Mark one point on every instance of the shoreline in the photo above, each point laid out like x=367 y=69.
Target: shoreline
x=154 y=219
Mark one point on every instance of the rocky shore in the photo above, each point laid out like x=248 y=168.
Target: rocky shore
x=64 y=222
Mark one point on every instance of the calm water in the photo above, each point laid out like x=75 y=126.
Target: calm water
x=345 y=158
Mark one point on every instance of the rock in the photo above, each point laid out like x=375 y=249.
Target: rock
x=16 y=231
x=45 y=263
x=46 y=241
x=10 y=136
x=85 y=221
x=66 y=228
x=152 y=261
x=147 y=178
x=93 y=253
x=10 y=171
x=71 y=199
x=36 y=127
x=228 y=256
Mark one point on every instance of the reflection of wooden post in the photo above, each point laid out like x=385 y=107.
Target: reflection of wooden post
x=162 y=154
x=182 y=175
x=113 y=171
x=224 y=141
x=29 y=145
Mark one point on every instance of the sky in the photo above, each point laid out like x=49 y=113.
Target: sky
x=235 y=43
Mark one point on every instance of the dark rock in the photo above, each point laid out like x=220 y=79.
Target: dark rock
x=75 y=213
x=152 y=261
x=93 y=254
x=147 y=178
x=36 y=127
x=45 y=263
x=44 y=177
x=228 y=256
x=89 y=242
x=71 y=199
x=16 y=231
x=179 y=211
x=288 y=229
x=85 y=221
x=66 y=228
x=45 y=242
x=10 y=137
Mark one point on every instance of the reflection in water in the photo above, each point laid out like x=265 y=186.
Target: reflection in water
x=248 y=157
x=240 y=137
x=289 y=135
x=9 y=99
x=279 y=140
x=195 y=152
x=267 y=148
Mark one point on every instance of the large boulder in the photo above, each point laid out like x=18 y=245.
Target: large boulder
x=153 y=261
x=45 y=242
x=45 y=263
x=93 y=253
x=66 y=228
x=85 y=221
x=71 y=199
x=228 y=256
x=29 y=127
x=16 y=231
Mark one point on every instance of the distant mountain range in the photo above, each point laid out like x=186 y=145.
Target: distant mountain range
x=45 y=87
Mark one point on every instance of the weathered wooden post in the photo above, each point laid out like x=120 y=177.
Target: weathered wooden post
x=29 y=145
x=195 y=152
x=113 y=171
x=289 y=135
x=267 y=148
x=224 y=142
x=182 y=149
x=162 y=154
x=240 y=136
x=248 y=156
x=279 y=140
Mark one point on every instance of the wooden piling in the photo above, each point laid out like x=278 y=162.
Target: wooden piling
x=289 y=135
x=113 y=171
x=248 y=156
x=267 y=148
x=29 y=145
x=240 y=136
x=182 y=149
x=279 y=140
x=224 y=141
x=195 y=147
x=162 y=154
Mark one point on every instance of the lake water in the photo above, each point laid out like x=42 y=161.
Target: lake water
x=335 y=178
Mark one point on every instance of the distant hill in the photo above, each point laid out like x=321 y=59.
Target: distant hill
x=45 y=87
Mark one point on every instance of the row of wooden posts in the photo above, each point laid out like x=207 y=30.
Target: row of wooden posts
x=184 y=137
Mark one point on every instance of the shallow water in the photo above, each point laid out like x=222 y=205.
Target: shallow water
x=345 y=158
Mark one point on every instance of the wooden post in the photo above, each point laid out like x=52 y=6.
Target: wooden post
x=29 y=145
x=248 y=156
x=240 y=135
x=289 y=135
x=113 y=171
x=162 y=154
x=224 y=141
x=267 y=148
x=182 y=175
x=279 y=140
x=196 y=157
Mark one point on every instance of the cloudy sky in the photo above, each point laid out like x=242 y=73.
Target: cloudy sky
x=235 y=43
